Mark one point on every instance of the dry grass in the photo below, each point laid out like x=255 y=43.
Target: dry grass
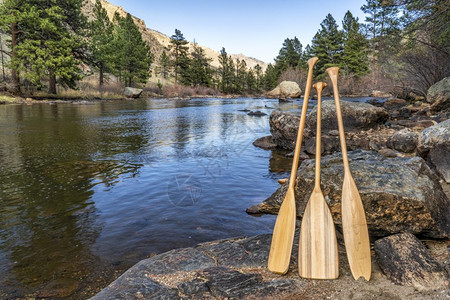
x=7 y=99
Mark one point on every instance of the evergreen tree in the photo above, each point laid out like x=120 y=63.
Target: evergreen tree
x=382 y=22
x=258 y=77
x=226 y=71
x=289 y=55
x=101 y=38
x=270 y=78
x=179 y=48
x=240 y=76
x=327 y=45
x=251 y=81
x=164 y=62
x=354 y=56
x=132 y=57
x=199 y=68
x=46 y=42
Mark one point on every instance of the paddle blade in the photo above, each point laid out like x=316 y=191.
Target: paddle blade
x=354 y=226
x=283 y=235
x=318 y=254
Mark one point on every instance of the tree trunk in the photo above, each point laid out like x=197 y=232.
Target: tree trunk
x=3 y=60
x=52 y=83
x=100 y=81
x=14 y=74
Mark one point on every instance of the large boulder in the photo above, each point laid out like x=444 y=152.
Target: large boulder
x=434 y=145
x=286 y=90
x=406 y=261
x=404 y=140
x=284 y=127
x=439 y=95
x=130 y=92
x=236 y=268
x=355 y=115
x=399 y=194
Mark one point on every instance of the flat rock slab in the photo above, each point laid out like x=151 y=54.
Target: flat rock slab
x=399 y=194
x=236 y=269
x=406 y=261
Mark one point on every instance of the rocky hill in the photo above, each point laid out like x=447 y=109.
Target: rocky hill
x=159 y=41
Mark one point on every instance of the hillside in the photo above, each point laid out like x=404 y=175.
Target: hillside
x=159 y=41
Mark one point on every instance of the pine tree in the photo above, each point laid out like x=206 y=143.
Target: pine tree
x=383 y=22
x=179 y=48
x=270 y=78
x=251 y=81
x=289 y=55
x=259 y=77
x=354 y=56
x=225 y=71
x=101 y=41
x=199 y=68
x=327 y=45
x=164 y=62
x=132 y=56
x=46 y=42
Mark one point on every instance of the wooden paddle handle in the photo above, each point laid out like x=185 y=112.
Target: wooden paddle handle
x=318 y=86
x=333 y=73
x=311 y=62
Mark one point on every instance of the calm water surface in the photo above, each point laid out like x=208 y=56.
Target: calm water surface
x=86 y=191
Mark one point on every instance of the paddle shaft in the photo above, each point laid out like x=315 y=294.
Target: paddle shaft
x=319 y=87
x=311 y=62
x=333 y=73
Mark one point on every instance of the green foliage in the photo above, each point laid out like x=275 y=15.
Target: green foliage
x=290 y=54
x=132 y=59
x=101 y=32
x=179 y=49
x=42 y=47
x=199 y=70
x=354 y=56
x=327 y=45
x=165 y=64
x=270 y=78
x=225 y=72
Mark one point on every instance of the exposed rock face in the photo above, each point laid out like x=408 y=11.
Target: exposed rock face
x=284 y=127
x=404 y=140
x=130 y=92
x=265 y=142
x=398 y=194
x=434 y=143
x=237 y=269
x=439 y=95
x=286 y=90
x=355 y=115
x=406 y=261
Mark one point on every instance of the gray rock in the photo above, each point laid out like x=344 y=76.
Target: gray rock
x=257 y=113
x=434 y=145
x=439 y=95
x=395 y=104
x=388 y=152
x=266 y=143
x=286 y=90
x=130 y=92
x=356 y=116
x=434 y=135
x=406 y=261
x=404 y=140
x=398 y=194
x=284 y=127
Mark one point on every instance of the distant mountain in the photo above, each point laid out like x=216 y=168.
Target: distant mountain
x=159 y=41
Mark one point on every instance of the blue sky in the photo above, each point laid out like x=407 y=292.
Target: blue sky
x=254 y=28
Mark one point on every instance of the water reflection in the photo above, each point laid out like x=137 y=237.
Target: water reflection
x=86 y=189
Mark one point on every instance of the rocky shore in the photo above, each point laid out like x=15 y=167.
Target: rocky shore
x=399 y=157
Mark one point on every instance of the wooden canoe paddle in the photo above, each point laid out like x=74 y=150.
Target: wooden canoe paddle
x=284 y=229
x=318 y=253
x=354 y=225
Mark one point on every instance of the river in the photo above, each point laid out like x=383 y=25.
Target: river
x=87 y=190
